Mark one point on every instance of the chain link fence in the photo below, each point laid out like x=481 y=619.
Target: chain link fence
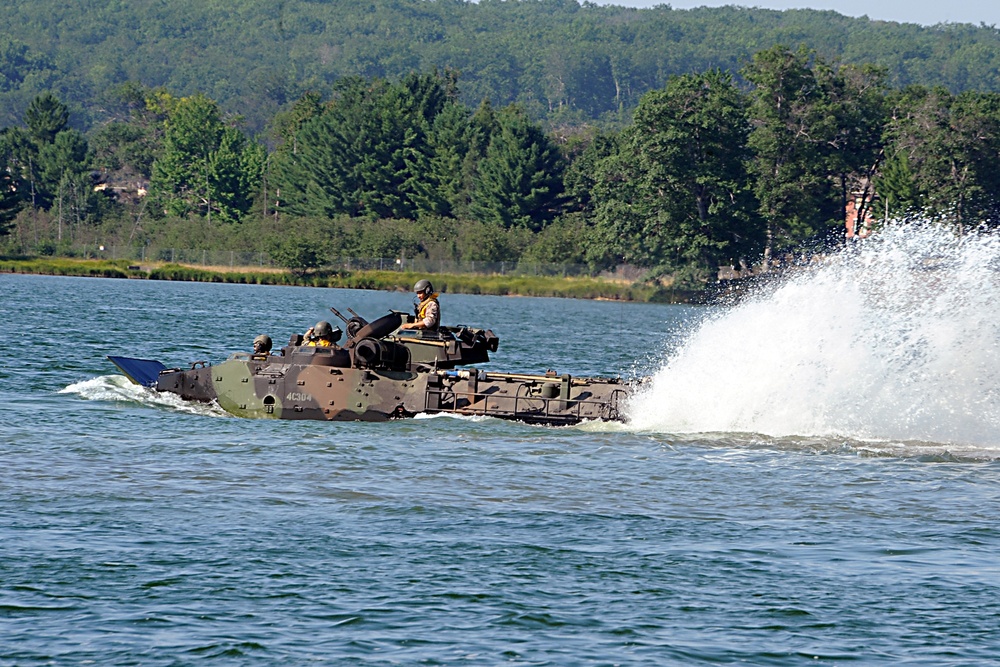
x=250 y=260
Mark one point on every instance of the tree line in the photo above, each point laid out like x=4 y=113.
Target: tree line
x=710 y=170
x=561 y=60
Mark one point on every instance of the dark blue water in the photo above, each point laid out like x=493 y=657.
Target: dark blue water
x=138 y=531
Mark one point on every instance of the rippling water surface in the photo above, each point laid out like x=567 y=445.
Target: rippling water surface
x=715 y=528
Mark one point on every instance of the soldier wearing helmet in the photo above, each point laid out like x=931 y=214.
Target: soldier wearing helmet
x=262 y=345
x=427 y=309
x=322 y=335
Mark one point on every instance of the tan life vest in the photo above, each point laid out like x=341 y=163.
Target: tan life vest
x=422 y=311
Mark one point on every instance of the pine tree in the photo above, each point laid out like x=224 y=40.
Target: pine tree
x=11 y=198
x=49 y=160
x=897 y=187
x=445 y=190
x=369 y=152
x=46 y=117
x=519 y=181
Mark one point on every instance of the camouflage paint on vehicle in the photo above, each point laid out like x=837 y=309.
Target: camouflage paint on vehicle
x=382 y=373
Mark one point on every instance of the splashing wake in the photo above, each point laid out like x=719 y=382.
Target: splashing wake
x=119 y=388
x=897 y=338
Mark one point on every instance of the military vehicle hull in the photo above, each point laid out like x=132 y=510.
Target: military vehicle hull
x=380 y=374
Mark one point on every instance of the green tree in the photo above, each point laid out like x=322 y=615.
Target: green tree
x=850 y=125
x=481 y=127
x=972 y=180
x=789 y=141
x=46 y=117
x=519 y=180
x=286 y=124
x=22 y=165
x=580 y=177
x=65 y=172
x=296 y=253
x=235 y=168
x=378 y=147
x=897 y=187
x=180 y=180
x=565 y=241
x=449 y=143
x=66 y=156
x=49 y=162
x=11 y=199
x=205 y=167
x=368 y=153
x=579 y=75
x=676 y=195
x=126 y=146
x=951 y=147
x=36 y=163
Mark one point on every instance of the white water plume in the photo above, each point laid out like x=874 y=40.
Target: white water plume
x=893 y=338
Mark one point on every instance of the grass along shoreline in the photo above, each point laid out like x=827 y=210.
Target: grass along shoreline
x=552 y=286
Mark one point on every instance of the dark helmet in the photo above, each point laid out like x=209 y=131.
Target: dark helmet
x=262 y=343
x=423 y=286
x=323 y=329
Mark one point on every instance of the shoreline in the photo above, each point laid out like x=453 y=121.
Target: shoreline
x=498 y=285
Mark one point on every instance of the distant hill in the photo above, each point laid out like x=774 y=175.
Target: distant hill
x=563 y=61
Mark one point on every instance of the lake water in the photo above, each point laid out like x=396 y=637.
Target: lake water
x=811 y=477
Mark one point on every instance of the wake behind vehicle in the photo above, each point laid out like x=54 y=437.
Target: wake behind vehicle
x=380 y=373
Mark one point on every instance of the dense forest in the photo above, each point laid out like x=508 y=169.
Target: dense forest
x=559 y=60
x=727 y=162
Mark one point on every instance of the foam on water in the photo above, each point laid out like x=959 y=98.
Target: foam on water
x=120 y=388
x=893 y=338
x=449 y=415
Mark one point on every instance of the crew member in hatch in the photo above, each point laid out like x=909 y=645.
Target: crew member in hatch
x=428 y=310
x=262 y=345
x=322 y=335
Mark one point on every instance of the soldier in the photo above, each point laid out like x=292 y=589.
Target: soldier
x=262 y=345
x=322 y=335
x=428 y=310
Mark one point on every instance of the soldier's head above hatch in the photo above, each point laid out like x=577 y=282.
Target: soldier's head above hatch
x=262 y=344
x=423 y=288
x=325 y=332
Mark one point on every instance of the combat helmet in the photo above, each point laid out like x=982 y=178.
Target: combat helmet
x=262 y=343
x=423 y=286
x=324 y=329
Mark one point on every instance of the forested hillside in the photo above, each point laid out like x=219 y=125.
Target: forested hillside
x=706 y=173
x=519 y=131
x=561 y=61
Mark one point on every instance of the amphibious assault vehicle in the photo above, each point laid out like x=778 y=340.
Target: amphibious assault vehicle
x=380 y=373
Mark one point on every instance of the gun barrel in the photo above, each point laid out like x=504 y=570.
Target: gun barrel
x=338 y=314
